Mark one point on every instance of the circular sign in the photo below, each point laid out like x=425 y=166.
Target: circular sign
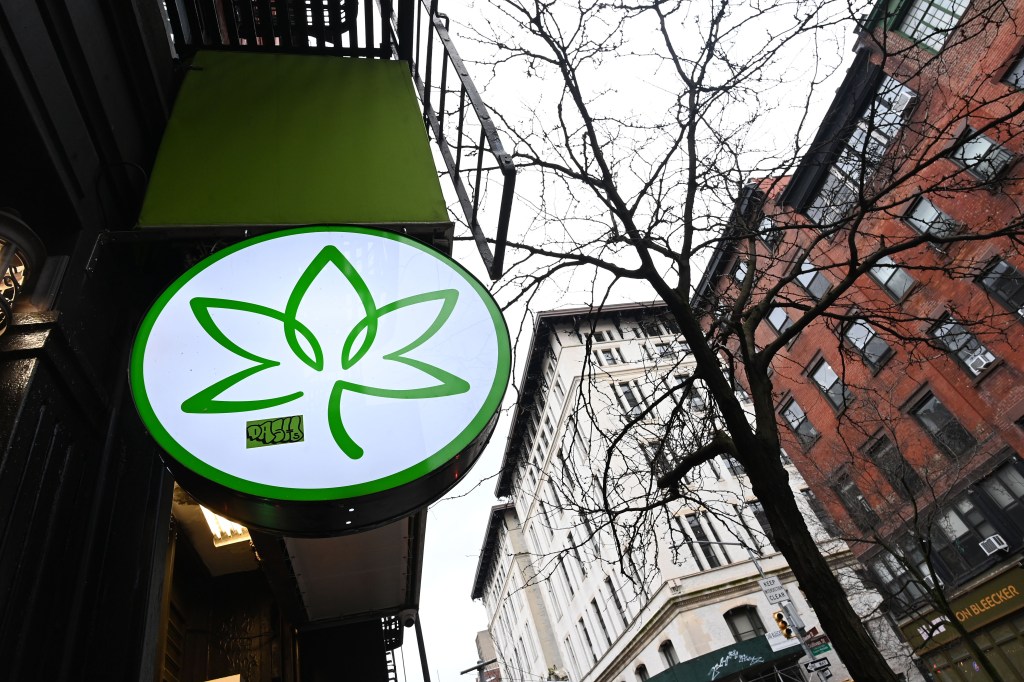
x=321 y=380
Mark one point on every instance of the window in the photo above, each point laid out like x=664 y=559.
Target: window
x=1005 y=488
x=769 y=232
x=600 y=621
x=895 y=580
x=872 y=348
x=982 y=157
x=611 y=356
x=863 y=152
x=733 y=465
x=615 y=600
x=628 y=399
x=641 y=673
x=1015 y=76
x=586 y=638
x=831 y=385
x=701 y=539
x=891 y=277
x=658 y=457
x=779 y=320
x=812 y=280
x=901 y=476
x=695 y=399
x=798 y=421
x=927 y=219
x=572 y=657
x=739 y=272
x=744 y=623
x=1005 y=283
x=668 y=654
x=819 y=513
x=962 y=527
x=974 y=356
x=861 y=513
x=757 y=509
x=943 y=427
x=930 y=21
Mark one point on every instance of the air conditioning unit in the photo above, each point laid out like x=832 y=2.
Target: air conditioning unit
x=992 y=544
x=904 y=104
x=979 y=363
x=930 y=581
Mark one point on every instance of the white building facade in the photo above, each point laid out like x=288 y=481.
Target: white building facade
x=575 y=593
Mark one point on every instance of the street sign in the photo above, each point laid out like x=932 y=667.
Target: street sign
x=817 y=664
x=769 y=584
x=826 y=673
x=820 y=649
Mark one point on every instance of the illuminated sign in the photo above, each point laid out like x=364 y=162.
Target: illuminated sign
x=292 y=375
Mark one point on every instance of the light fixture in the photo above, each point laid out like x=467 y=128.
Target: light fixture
x=20 y=252
x=224 y=532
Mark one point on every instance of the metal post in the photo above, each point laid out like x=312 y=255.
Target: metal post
x=423 y=650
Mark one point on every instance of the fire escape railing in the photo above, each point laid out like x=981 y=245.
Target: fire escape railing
x=414 y=31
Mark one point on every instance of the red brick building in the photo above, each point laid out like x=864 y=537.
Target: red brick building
x=889 y=256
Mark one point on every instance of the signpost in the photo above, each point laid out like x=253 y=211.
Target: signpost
x=321 y=380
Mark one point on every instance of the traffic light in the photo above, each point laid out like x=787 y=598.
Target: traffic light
x=780 y=620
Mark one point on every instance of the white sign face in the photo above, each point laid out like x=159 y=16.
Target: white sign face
x=773 y=590
x=320 y=363
x=777 y=641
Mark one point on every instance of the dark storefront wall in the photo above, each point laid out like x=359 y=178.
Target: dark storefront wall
x=992 y=614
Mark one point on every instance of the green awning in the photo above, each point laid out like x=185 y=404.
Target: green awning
x=751 y=654
x=278 y=139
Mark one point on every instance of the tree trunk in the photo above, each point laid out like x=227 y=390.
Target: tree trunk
x=853 y=644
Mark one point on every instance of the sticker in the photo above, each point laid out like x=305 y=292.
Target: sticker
x=263 y=432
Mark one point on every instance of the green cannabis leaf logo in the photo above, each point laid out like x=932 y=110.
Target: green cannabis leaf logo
x=308 y=349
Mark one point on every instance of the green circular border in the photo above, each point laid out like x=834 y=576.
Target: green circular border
x=422 y=468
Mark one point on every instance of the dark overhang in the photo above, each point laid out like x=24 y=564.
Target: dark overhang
x=745 y=212
x=486 y=560
x=851 y=100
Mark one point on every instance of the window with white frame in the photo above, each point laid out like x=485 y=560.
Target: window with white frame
x=863 y=152
x=811 y=279
x=926 y=218
x=629 y=397
x=1006 y=284
x=797 y=420
x=871 y=347
x=600 y=621
x=770 y=233
x=757 y=509
x=779 y=319
x=831 y=386
x=930 y=21
x=895 y=280
x=981 y=156
x=964 y=346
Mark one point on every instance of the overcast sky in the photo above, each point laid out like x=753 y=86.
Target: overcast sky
x=456 y=524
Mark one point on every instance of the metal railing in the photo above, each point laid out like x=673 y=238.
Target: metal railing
x=414 y=31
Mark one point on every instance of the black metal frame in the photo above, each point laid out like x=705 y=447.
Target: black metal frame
x=414 y=32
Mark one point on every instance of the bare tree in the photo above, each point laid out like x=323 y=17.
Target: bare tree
x=648 y=179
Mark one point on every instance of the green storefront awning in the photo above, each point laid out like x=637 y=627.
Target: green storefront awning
x=750 y=654
x=279 y=139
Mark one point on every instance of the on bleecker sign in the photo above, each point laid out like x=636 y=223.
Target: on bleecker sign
x=320 y=380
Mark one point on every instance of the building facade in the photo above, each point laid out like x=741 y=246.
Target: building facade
x=902 y=402
x=571 y=594
x=108 y=569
